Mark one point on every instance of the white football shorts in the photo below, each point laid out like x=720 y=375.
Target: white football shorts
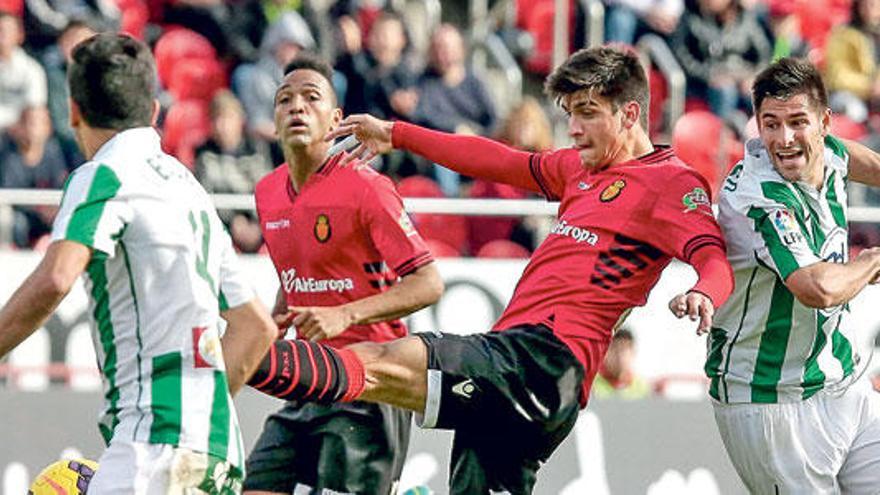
x=829 y=443
x=131 y=468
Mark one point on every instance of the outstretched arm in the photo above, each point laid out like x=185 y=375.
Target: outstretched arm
x=825 y=285
x=40 y=294
x=247 y=339
x=469 y=155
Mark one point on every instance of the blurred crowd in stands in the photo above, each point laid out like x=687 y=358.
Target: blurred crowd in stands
x=220 y=61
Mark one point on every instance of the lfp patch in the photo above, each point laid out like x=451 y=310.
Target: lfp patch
x=694 y=199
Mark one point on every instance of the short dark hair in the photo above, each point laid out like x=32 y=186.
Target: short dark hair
x=310 y=61
x=112 y=78
x=615 y=74
x=788 y=77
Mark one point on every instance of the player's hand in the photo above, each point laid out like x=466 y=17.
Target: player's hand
x=319 y=323
x=697 y=306
x=374 y=136
x=283 y=320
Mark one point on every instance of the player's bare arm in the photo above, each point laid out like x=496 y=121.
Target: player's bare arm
x=419 y=289
x=825 y=284
x=248 y=336
x=864 y=163
x=715 y=277
x=41 y=292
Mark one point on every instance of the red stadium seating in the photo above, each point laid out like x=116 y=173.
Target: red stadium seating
x=177 y=46
x=440 y=249
x=502 y=248
x=703 y=141
x=844 y=127
x=186 y=126
x=15 y=7
x=135 y=16
x=197 y=79
x=536 y=17
x=484 y=229
x=450 y=229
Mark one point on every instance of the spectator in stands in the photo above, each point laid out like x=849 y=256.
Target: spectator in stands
x=451 y=98
x=31 y=158
x=232 y=162
x=617 y=376
x=229 y=26
x=44 y=20
x=55 y=61
x=381 y=81
x=526 y=127
x=720 y=46
x=627 y=20
x=22 y=80
x=851 y=62
x=255 y=84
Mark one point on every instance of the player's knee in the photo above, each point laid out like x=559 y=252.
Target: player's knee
x=395 y=372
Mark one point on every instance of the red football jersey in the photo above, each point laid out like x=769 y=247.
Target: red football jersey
x=345 y=236
x=616 y=231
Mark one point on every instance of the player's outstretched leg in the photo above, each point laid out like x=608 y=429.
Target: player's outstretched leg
x=303 y=370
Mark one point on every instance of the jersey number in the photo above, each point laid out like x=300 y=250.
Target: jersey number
x=202 y=258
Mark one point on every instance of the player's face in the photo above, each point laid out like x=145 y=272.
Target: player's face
x=595 y=127
x=793 y=132
x=305 y=109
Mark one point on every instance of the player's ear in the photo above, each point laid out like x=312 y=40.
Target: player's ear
x=75 y=116
x=631 y=112
x=155 y=116
x=336 y=119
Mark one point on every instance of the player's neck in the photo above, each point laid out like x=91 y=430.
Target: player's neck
x=91 y=139
x=636 y=144
x=302 y=162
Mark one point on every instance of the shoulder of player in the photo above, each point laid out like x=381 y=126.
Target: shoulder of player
x=361 y=176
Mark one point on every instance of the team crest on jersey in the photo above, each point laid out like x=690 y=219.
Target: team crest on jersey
x=207 y=351
x=613 y=191
x=693 y=200
x=322 y=228
x=787 y=227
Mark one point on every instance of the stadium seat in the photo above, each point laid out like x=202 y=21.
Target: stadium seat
x=135 y=16
x=14 y=7
x=536 y=17
x=197 y=79
x=503 y=248
x=186 y=126
x=417 y=186
x=175 y=46
x=440 y=249
x=844 y=127
x=482 y=229
x=702 y=141
x=450 y=229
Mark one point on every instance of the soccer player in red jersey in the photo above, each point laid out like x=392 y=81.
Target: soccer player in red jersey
x=627 y=207
x=339 y=239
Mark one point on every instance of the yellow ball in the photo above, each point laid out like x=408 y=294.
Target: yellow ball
x=64 y=477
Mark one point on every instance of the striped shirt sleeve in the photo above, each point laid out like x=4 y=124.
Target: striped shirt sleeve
x=91 y=212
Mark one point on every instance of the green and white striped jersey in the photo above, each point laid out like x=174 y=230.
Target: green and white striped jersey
x=765 y=346
x=162 y=268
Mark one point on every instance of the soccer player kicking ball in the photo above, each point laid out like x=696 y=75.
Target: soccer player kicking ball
x=792 y=408
x=160 y=272
x=627 y=207
x=339 y=239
